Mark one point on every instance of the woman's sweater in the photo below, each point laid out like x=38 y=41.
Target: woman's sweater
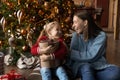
x=91 y=51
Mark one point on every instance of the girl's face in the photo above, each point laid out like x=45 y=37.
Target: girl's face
x=79 y=24
x=55 y=31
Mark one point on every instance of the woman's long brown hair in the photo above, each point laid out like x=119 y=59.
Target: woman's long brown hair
x=93 y=29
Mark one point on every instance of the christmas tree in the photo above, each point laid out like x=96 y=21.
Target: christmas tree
x=22 y=20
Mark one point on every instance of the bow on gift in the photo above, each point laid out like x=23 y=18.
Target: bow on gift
x=12 y=75
x=4 y=77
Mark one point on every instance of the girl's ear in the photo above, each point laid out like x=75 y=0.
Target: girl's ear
x=85 y=23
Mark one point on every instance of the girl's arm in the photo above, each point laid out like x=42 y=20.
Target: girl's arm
x=61 y=52
x=35 y=49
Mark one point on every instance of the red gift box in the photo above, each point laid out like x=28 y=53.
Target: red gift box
x=12 y=75
x=4 y=77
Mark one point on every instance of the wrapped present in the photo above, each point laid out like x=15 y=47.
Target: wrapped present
x=1 y=63
x=12 y=75
x=4 y=77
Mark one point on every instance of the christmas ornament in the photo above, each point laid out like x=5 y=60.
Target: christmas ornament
x=24 y=48
x=88 y=3
x=69 y=11
x=9 y=4
x=69 y=3
x=52 y=15
x=56 y=9
x=23 y=32
x=46 y=5
x=1 y=43
x=19 y=15
x=2 y=22
x=19 y=2
x=11 y=41
x=40 y=12
x=67 y=19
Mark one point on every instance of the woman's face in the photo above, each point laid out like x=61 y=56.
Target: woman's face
x=78 y=24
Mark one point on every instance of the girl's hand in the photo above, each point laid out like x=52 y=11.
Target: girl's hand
x=45 y=57
x=44 y=50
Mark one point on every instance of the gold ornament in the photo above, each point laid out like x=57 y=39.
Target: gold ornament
x=56 y=9
x=1 y=43
x=23 y=32
x=46 y=5
x=68 y=3
x=24 y=48
x=88 y=3
x=67 y=19
x=62 y=25
x=69 y=11
x=40 y=12
x=18 y=2
x=52 y=15
x=10 y=5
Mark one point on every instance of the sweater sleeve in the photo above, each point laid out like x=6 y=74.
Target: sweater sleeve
x=93 y=52
x=61 y=52
x=34 y=48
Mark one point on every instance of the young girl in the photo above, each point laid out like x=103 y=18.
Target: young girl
x=53 y=53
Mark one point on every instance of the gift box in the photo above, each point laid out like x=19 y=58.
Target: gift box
x=1 y=63
x=12 y=75
x=4 y=77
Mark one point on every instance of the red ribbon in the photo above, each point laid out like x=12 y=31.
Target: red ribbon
x=12 y=75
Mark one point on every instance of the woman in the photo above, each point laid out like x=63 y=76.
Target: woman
x=87 y=50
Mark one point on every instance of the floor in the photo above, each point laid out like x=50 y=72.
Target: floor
x=113 y=56
x=113 y=50
x=23 y=72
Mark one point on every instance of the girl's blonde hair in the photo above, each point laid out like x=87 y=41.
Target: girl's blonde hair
x=48 y=27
